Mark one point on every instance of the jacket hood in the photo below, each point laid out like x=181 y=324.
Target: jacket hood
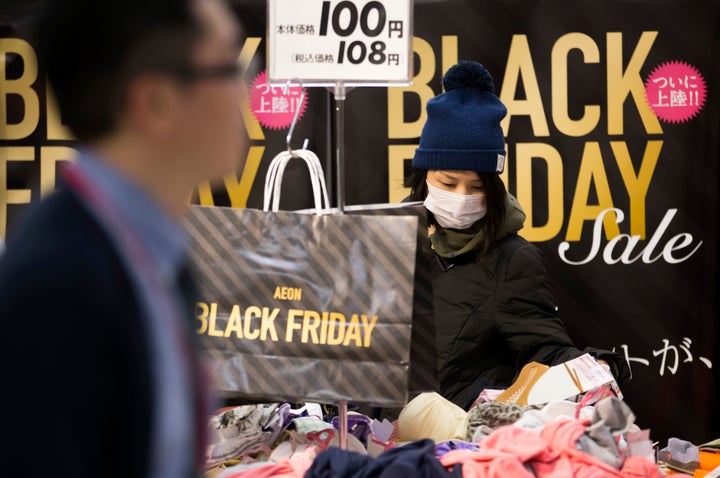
x=514 y=217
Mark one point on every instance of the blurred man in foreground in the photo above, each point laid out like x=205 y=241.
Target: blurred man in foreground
x=100 y=376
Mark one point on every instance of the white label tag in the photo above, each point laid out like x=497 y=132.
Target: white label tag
x=500 y=163
x=569 y=379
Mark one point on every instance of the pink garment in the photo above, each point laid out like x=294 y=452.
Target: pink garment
x=486 y=464
x=294 y=468
x=552 y=454
x=563 y=436
x=638 y=467
x=504 y=454
x=487 y=396
x=521 y=443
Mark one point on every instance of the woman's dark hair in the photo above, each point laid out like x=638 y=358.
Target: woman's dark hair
x=495 y=196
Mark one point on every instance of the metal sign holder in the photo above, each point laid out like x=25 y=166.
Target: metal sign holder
x=339 y=89
x=339 y=93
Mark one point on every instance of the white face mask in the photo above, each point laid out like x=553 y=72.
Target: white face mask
x=455 y=211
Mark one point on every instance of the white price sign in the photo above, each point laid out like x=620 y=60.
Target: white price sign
x=358 y=42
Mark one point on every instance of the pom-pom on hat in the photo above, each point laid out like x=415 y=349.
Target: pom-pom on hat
x=462 y=131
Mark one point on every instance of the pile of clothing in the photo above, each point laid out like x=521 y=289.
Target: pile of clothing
x=252 y=436
x=682 y=457
x=434 y=438
x=559 y=439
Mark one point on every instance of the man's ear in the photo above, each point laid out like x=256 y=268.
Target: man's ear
x=151 y=103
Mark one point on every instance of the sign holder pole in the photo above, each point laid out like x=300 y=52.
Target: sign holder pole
x=371 y=46
x=339 y=92
x=343 y=423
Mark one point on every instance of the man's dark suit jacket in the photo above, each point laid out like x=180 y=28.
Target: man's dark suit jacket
x=77 y=395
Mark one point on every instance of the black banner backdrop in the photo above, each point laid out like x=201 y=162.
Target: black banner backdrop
x=581 y=139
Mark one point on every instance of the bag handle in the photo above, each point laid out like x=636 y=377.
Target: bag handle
x=274 y=177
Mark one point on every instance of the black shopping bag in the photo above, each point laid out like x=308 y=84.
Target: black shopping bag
x=423 y=350
x=300 y=307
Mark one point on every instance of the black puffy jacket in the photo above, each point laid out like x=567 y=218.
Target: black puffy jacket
x=494 y=314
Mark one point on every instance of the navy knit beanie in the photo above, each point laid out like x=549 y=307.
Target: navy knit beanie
x=462 y=131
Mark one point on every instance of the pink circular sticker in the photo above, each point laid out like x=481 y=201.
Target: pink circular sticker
x=271 y=106
x=675 y=91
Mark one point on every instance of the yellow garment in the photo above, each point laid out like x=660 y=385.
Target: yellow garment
x=429 y=415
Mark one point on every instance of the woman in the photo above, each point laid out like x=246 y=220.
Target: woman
x=493 y=299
